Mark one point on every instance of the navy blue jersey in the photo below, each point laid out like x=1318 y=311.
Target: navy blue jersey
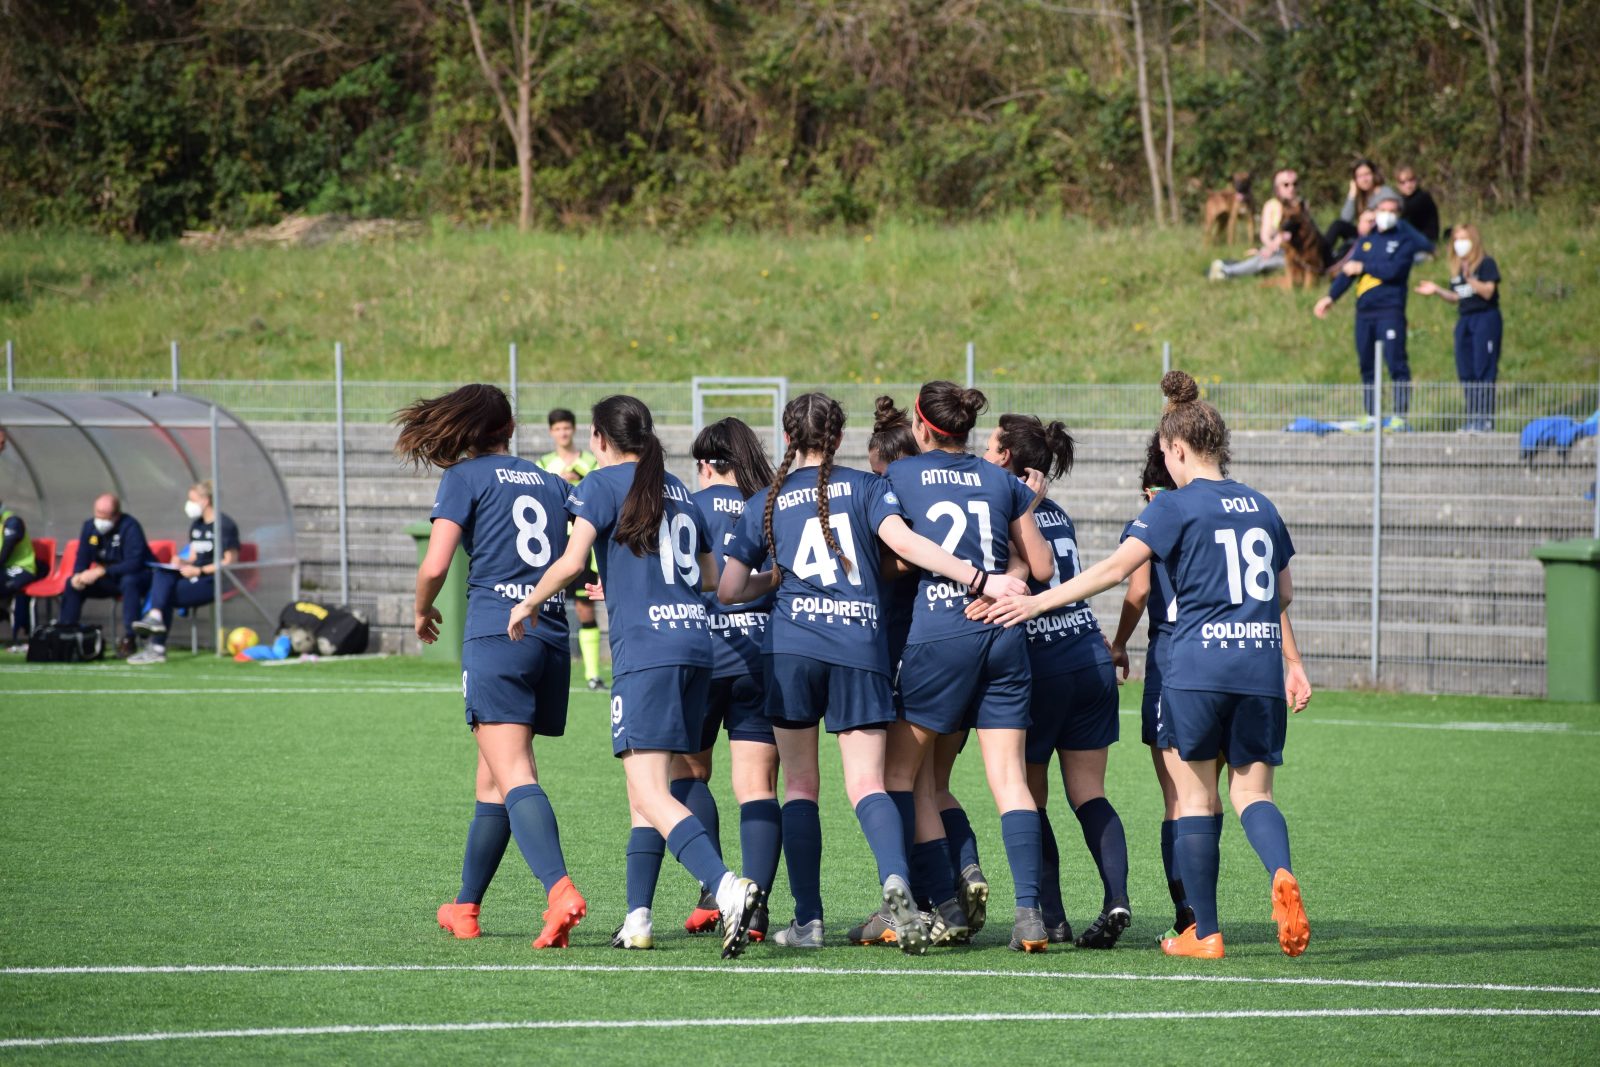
x=965 y=504
x=739 y=633
x=824 y=611
x=1162 y=607
x=1068 y=638
x=654 y=603
x=1470 y=302
x=203 y=540
x=512 y=528
x=1386 y=260
x=1223 y=545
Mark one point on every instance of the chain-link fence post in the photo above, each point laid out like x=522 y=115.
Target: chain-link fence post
x=216 y=528
x=344 y=517
x=175 y=366
x=515 y=410
x=1377 y=502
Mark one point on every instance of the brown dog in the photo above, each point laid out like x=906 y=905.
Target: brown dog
x=1226 y=208
x=1304 y=260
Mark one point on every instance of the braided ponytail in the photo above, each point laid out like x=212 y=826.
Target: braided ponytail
x=833 y=420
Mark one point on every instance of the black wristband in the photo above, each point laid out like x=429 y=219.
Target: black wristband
x=979 y=580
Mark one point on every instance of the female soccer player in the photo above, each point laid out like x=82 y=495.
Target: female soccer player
x=822 y=526
x=1074 y=705
x=732 y=467
x=1150 y=593
x=653 y=548
x=507 y=514
x=571 y=464
x=1475 y=291
x=957 y=674
x=1225 y=686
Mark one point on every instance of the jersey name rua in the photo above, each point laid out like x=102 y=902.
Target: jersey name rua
x=738 y=633
x=512 y=529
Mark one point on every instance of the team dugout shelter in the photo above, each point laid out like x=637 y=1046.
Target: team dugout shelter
x=64 y=449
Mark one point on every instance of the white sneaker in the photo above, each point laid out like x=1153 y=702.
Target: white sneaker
x=736 y=899
x=150 y=624
x=149 y=655
x=1216 y=273
x=636 y=931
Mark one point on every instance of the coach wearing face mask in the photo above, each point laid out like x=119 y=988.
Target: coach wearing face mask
x=1380 y=268
x=213 y=539
x=113 y=560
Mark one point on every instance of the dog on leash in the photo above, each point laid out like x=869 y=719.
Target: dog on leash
x=1226 y=208
x=1305 y=260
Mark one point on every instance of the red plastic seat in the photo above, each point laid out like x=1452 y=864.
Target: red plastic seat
x=44 y=554
x=164 y=550
x=55 y=581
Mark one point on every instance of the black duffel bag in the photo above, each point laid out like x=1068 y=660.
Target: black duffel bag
x=326 y=631
x=63 y=643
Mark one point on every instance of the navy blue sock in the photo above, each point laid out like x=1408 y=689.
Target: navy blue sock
x=1055 y=911
x=905 y=806
x=487 y=836
x=802 y=854
x=1194 y=843
x=760 y=841
x=695 y=795
x=963 y=842
x=692 y=845
x=1108 y=844
x=881 y=824
x=1023 y=837
x=645 y=849
x=1268 y=833
x=1169 y=861
x=533 y=824
x=931 y=883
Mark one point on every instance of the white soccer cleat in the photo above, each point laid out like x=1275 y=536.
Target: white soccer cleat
x=736 y=900
x=636 y=931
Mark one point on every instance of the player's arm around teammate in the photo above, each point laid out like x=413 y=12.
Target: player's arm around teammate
x=1224 y=692
x=653 y=549
x=507 y=514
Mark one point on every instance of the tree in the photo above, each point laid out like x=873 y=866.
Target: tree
x=1141 y=64
x=525 y=51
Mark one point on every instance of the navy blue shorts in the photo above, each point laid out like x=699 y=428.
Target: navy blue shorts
x=738 y=702
x=975 y=681
x=802 y=691
x=659 y=709
x=1243 y=727
x=1152 y=689
x=516 y=681
x=1076 y=710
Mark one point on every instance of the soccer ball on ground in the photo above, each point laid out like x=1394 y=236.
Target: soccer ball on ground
x=241 y=638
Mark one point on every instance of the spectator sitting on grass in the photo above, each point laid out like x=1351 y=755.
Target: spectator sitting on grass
x=1364 y=183
x=1269 y=256
x=1418 y=207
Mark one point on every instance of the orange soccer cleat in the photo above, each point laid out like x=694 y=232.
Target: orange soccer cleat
x=1289 y=912
x=460 y=919
x=1201 y=948
x=567 y=908
x=703 y=919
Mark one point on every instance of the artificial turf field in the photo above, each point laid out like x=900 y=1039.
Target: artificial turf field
x=207 y=846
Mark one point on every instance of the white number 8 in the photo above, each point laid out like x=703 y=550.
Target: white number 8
x=677 y=550
x=1258 y=579
x=531 y=534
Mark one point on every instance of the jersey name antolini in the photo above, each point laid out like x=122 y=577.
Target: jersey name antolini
x=809 y=495
x=1241 y=631
x=824 y=605
x=935 y=476
x=675 y=612
x=501 y=474
x=1072 y=620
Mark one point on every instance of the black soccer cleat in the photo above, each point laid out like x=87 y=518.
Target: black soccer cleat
x=1104 y=931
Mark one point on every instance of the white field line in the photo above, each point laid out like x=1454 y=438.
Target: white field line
x=750 y=1022
x=647 y=968
x=227 y=690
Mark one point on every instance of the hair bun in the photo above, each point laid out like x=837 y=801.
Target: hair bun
x=886 y=416
x=1179 y=387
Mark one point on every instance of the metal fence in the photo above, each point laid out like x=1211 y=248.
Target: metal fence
x=1413 y=569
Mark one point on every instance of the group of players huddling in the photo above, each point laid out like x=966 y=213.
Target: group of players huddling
x=902 y=609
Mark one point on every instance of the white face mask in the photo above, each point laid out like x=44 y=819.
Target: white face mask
x=193 y=509
x=1463 y=246
x=1385 y=220
x=104 y=525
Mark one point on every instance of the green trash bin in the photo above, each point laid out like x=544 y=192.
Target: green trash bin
x=1571 y=618
x=451 y=601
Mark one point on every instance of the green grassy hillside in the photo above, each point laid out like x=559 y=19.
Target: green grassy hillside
x=1046 y=299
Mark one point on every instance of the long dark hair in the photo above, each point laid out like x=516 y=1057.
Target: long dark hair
x=441 y=431
x=949 y=411
x=1155 y=474
x=813 y=423
x=1191 y=420
x=891 y=438
x=627 y=427
x=1032 y=443
x=730 y=445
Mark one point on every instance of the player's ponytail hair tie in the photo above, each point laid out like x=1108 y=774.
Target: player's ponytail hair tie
x=929 y=422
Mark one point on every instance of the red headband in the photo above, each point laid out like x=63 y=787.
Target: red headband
x=929 y=422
